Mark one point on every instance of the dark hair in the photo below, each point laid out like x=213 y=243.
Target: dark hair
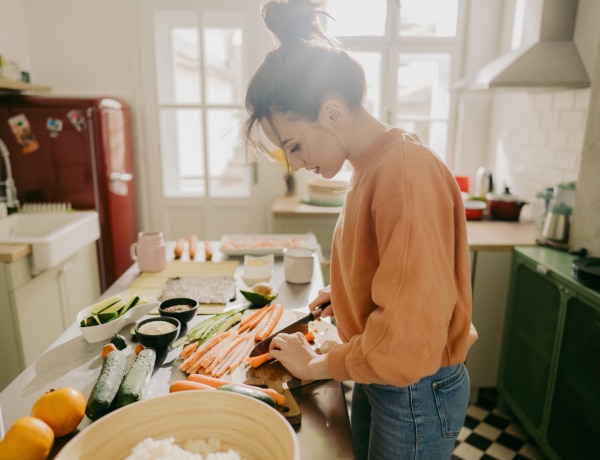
x=307 y=67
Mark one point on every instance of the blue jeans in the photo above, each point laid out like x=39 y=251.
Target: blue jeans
x=418 y=422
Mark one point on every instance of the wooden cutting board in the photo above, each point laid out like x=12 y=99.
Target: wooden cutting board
x=273 y=375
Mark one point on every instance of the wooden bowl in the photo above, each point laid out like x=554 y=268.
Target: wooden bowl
x=250 y=427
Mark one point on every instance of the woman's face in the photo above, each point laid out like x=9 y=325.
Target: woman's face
x=310 y=145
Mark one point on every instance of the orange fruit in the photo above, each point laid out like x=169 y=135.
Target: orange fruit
x=62 y=409
x=29 y=438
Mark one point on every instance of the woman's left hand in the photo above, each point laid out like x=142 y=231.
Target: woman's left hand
x=296 y=355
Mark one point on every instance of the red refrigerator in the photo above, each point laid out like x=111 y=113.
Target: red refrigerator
x=77 y=151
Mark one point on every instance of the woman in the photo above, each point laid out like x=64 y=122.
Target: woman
x=400 y=273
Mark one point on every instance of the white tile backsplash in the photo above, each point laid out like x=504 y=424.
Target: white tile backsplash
x=537 y=138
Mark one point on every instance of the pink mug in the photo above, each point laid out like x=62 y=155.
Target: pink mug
x=149 y=252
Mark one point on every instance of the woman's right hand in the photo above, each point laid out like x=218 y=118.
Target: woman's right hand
x=323 y=297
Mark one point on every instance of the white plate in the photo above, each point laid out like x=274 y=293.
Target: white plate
x=239 y=245
x=105 y=331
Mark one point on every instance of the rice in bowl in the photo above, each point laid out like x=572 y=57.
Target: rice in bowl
x=194 y=449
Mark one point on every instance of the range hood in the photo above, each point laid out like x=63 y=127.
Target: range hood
x=551 y=62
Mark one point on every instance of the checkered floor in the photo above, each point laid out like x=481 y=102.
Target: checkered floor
x=488 y=433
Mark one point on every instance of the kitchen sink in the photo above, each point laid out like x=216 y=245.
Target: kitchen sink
x=54 y=237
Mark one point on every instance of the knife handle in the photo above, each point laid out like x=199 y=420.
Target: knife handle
x=316 y=313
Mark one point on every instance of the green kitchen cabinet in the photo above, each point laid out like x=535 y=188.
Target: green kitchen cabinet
x=549 y=374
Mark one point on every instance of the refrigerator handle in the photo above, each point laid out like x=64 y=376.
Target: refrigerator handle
x=120 y=177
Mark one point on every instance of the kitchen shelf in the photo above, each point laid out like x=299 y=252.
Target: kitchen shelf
x=22 y=86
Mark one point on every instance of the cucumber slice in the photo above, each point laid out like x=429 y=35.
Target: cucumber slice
x=100 y=306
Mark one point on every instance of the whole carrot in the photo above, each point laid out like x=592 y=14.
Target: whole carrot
x=178 y=250
x=187 y=385
x=216 y=383
x=208 y=254
x=193 y=244
x=259 y=360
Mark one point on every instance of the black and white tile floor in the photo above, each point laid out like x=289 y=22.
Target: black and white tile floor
x=488 y=432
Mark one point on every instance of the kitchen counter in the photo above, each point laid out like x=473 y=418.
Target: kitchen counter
x=12 y=252
x=71 y=361
x=482 y=235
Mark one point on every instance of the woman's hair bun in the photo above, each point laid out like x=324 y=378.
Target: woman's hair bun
x=293 y=21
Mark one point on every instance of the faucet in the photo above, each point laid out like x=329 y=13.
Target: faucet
x=10 y=191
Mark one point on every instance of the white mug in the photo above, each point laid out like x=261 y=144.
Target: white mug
x=298 y=264
x=150 y=252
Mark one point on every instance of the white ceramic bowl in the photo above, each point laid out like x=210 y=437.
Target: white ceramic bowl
x=327 y=192
x=105 y=331
x=249 y=426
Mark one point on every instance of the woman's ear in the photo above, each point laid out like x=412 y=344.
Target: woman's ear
x=332 y=113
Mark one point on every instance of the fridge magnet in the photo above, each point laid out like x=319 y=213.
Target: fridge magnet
x=77 y=119
x=19 y=124
x=54 y=126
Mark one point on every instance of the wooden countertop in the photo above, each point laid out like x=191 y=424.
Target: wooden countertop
x=482 y=235
x=12 y=252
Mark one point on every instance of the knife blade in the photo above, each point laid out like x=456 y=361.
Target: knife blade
x=297 y=326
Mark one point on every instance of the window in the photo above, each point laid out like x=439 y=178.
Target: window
x=410 y=50
x=200 y=96
x=203 y=53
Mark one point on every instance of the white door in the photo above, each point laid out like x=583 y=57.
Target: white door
x=197 y=58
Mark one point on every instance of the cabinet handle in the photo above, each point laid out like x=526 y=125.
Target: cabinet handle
x=120 y=177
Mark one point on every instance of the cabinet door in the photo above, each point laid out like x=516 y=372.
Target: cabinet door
x=529 y=334
x=39 y=314
x=574 y=427
x=79 y=283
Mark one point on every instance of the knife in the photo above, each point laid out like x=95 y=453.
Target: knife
x=298 y=326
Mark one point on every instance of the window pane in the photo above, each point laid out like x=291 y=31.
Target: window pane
x=371 y=63
x=223 y=65
x=357 y=17
x=428 y=18
x=181 y=149
x=229 y=172
x=176 y=41
x=422 y=85
x=433 y=134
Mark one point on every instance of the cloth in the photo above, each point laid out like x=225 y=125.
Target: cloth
x=400 y=267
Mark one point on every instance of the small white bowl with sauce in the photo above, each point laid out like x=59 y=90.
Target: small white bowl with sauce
x=157 y=332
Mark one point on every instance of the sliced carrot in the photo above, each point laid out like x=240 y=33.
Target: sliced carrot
x=259 y=360
x=208 y=254
x=216 y=383
x=310 y=336
x=252 y=321
x=192 y=364
x=178 y=250
x=139 y=348
x=187 y=385
x=242 y=354
x=108 y=348
x=239 y=348
x=224 y=353
x=193 y=245
x=273 y=318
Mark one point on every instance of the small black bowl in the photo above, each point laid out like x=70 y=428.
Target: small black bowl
x=158 y=341
x=183 y=316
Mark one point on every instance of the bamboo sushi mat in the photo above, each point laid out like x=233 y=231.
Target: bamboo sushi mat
x=149 y=286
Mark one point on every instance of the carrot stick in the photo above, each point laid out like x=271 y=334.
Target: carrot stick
x=193 y=243
x=186 y=385
x=218 y=359
x=252 y=321
x=216 y=383
x=190 y=363
x=232 y=354
x=273 y=319
x=178 y=250
x=188 y=350
x=207 y=251
x=214 y=352
x=242 y=354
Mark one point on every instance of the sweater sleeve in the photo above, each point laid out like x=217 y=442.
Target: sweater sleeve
x=419 y=291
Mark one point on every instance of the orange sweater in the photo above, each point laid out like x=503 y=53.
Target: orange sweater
x=400 y=268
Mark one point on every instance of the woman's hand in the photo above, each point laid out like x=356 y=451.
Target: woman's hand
x=297 y=356
x=324 y=296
